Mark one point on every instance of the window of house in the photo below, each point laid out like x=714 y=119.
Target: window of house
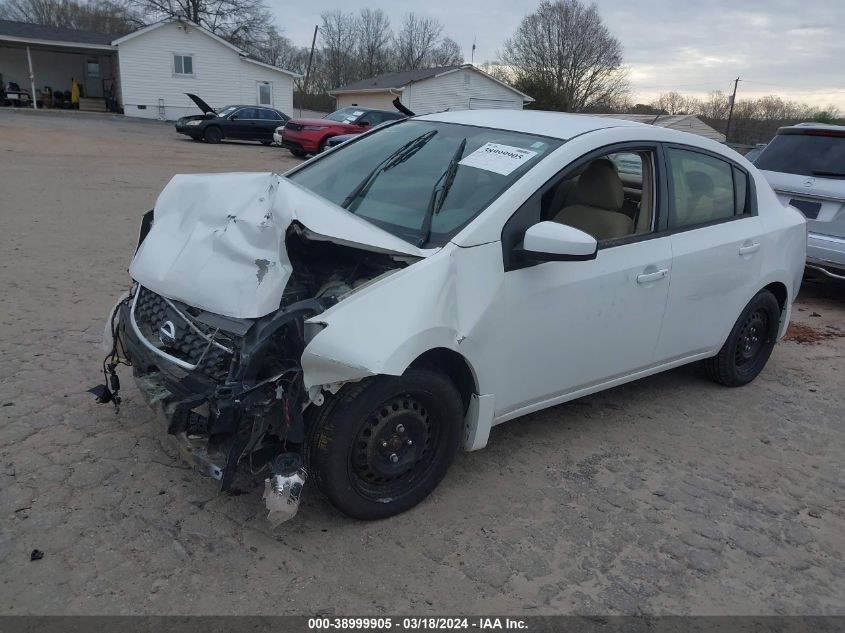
x=183 y=64
x=92 y=69
x=703 y=189
x=265 y=93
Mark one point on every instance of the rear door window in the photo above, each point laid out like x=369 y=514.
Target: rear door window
x=702 y=189
x=807 y=153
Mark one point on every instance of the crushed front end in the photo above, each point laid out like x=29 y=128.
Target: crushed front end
x=228 y=269
x=230 y=390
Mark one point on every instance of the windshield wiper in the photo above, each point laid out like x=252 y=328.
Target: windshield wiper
x=395 y=158
x=830 y=174
x=435 y=202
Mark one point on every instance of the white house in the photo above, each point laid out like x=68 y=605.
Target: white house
x=161 y=62
x=426 y=90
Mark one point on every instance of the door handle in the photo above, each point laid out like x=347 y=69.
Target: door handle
x=749 y=249
x=646 y=278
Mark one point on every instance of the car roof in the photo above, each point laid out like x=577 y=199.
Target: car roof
x=553 y=124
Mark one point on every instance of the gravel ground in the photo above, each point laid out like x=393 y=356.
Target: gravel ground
x=668 y=495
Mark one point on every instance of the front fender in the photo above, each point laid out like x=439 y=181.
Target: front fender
x=438 y=302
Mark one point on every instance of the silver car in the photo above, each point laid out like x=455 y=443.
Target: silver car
x=805 y=164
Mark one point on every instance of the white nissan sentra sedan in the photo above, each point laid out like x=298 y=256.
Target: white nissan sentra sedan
x=360 y=319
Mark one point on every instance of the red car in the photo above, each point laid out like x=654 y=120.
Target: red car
x=309 y=136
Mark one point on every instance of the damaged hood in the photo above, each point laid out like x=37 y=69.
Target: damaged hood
x=218 y=240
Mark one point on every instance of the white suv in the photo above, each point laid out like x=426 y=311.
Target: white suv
x=805 y=164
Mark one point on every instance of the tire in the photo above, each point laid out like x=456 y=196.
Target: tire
x=359 y=452
x=299 y=153
x=323 y=145
x=749 y=344
x=212 y=134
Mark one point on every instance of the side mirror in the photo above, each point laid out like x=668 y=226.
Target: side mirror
x=364 y=123
x=555 y=242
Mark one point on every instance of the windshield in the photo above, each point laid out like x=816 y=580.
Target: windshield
x=227 y=111
x=345 y=115
x=817 y=153
x=389 y=177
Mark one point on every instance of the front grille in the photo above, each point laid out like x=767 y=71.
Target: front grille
x=294 y=127
x=154 y=316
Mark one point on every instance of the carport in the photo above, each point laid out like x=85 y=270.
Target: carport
x=42 y=60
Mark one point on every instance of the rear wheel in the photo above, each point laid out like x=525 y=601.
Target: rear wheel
x=299 y=153
x=749 y=344
x=380 y=446
x=212 y=134
x=324 y=144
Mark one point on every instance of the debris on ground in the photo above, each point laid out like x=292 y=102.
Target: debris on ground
x=807 y=335
x=36 y=554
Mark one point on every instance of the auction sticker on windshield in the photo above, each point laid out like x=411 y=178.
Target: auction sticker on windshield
x=502 y=159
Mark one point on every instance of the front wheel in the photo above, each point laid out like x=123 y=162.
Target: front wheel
x=213 y=134
x=299 y=153
x=380 y=446
x=749 y=344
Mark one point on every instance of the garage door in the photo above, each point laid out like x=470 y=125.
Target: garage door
x=490 y=104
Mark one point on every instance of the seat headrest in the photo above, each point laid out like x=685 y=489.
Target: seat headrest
x=600 y=186
x=699 y=184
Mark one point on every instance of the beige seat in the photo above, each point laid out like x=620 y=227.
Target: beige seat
x=598 y=197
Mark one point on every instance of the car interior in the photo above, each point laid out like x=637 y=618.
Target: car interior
x=610 y=197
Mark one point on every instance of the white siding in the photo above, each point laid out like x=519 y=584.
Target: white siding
x=464 y=89
x=221 y=77
x=54 y=69
x=378 y=100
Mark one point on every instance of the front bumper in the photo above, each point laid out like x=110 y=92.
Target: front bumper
x=217 y=420
x=189 y=130
x=300 y=141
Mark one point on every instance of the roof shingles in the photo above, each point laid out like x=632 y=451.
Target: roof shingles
x=41 y=32
x=394 y=80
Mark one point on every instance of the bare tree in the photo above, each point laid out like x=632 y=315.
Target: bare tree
x=374 y=37
x=100 y=16
x=447 y=53
x=415 y=41
x=565 y=57
x=675 y=103
x=715 y=106
x=239 y=21
x=338 y=36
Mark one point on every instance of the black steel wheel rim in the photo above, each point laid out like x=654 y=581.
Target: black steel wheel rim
x=395 y=448
x=753 y=338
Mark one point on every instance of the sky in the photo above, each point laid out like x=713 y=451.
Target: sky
x=794 y=50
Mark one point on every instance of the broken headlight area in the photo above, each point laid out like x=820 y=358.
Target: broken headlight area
x=231 y=389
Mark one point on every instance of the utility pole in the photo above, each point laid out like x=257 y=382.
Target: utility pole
x=472 y=54
x=731 y=111
x=308 y=70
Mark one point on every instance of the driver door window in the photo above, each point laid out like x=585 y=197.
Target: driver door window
x=610 y=196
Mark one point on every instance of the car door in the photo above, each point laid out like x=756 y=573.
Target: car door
x=717 y=243
x=571 y=326
x=267 y=124
x=242 y=124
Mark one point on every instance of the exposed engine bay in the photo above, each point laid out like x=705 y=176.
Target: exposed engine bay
x=231 y=389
